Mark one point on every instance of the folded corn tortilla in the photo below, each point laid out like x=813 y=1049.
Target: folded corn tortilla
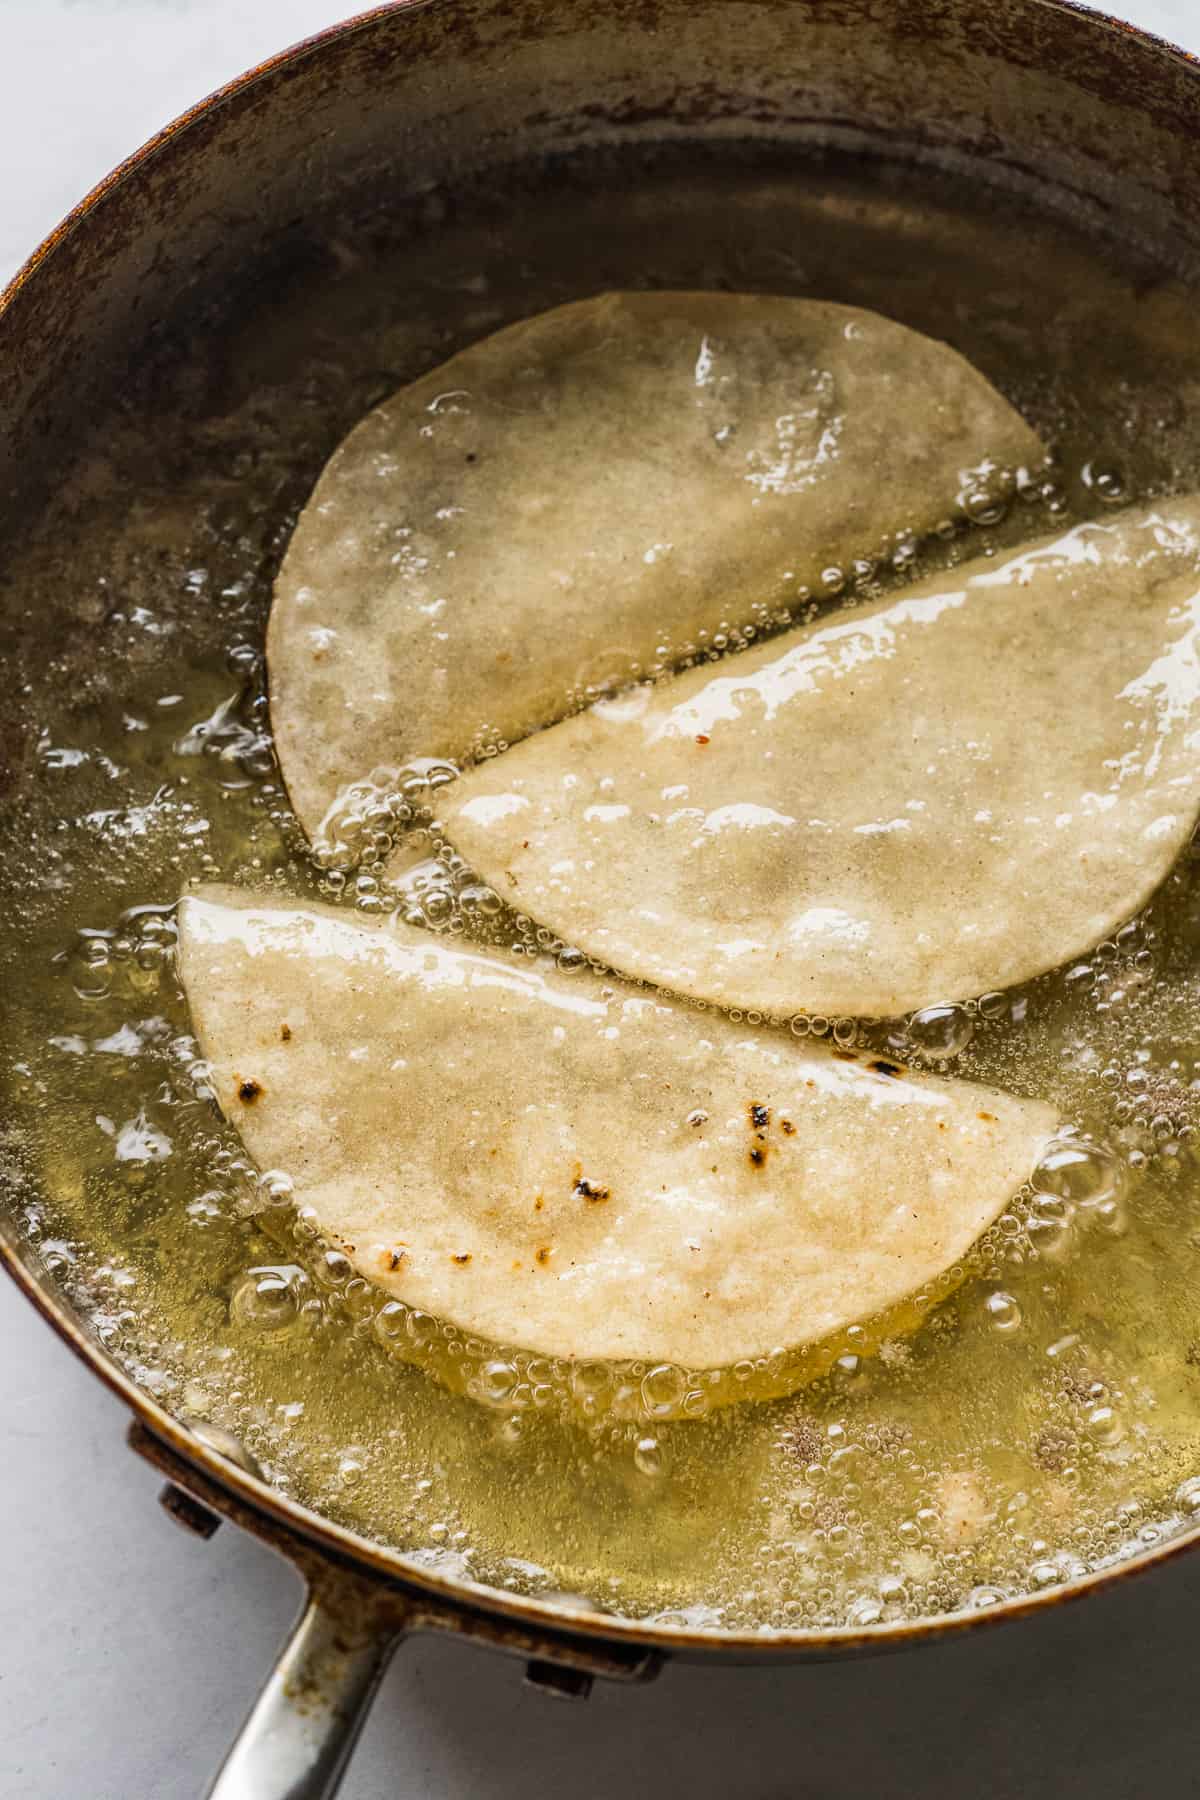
x=579 y=1169
x=917 y=801
x=570 y=502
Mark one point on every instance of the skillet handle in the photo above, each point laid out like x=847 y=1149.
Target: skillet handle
x=299 y=1737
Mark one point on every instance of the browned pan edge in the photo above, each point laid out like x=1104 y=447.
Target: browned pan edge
x=313 y=1542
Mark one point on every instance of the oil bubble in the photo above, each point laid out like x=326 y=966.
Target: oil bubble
x=663 y=1389
x=422 y=1327
x=987 y=499
x=865 y=1612
x=980 y=1598
x=391 y=1325
x=477 y=896
x=941 y=1032
x=91 y=973
x=1048 y=1237
x=497 y=1382
x=438 y=908
x=275 y=1188
x=1003 y=1312
x=1076 y=1169
x=1187 y=1497
x=269 y=1297
x=1105 y=481
x=1104 y=1426
x=648 y=1457
x=1109 y=1215
x=333 y=1269
x=591 y=1386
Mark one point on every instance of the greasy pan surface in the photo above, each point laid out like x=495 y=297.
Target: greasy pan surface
x=1094 y=117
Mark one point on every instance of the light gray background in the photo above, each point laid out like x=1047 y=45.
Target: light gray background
x=129 y=1651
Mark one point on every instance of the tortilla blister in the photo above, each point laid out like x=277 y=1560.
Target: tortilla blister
x=949 y=792
x=572 y=500
x=581 y=1170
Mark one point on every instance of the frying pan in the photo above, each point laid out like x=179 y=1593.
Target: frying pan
x=1082 y=113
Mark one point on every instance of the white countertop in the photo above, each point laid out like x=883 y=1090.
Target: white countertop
x=129 y=1651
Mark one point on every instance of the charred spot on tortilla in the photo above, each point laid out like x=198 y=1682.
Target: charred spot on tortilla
x=248 y=1090
x=590 y=1190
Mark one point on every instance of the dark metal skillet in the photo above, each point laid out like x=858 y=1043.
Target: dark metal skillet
x=1084 y=112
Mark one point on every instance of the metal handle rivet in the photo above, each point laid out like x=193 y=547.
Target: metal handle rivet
x=553 y=1678
x=187 y=1512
